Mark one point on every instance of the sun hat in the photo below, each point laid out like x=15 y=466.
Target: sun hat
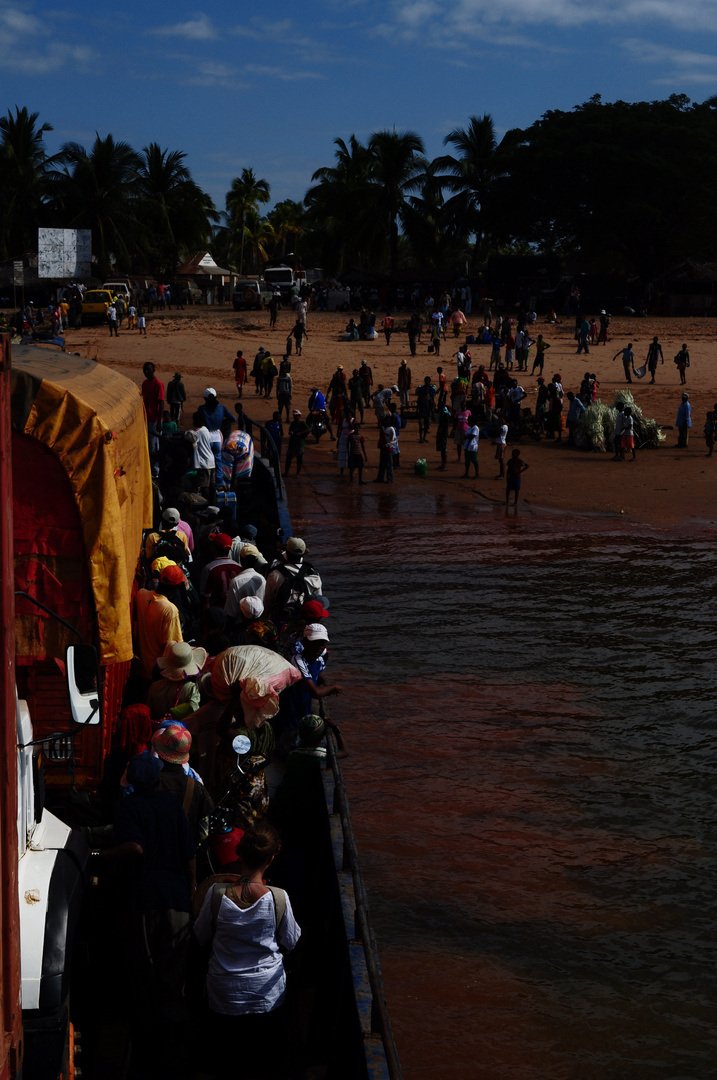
x=251 y=607
x=172 y=575
x=180 y=660
x=316 y=632
x=311 y=728
x=249 y=551
x=313 y=609
x=171 y=515
x=172 y=743
x=295 y=546
x=143 y=770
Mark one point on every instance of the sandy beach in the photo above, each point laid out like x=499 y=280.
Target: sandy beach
x=664 y=486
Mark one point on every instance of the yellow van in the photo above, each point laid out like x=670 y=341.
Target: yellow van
x=95 y=303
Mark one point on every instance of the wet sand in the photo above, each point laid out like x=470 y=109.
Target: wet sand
x=664 y=486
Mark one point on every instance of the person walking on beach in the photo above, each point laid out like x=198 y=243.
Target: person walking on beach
x=470 y=449
x=682 y=360
x=355 y=389
x=684 y=421
x=654 y=353
x=515 y=469
x=501 y=449
x=424 y=401
x=299 y=333
x=541 y=348
x=414 y=331
x=298 y=430
x=387 y=327
x=367 y=380
x=176 y=396
x=628 y=361
x=604 y=324
x=239 y=367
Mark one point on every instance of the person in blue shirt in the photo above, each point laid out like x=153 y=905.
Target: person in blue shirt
x=218 y=422
x=684 y=421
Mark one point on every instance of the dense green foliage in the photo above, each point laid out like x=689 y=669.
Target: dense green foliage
x=606 y=186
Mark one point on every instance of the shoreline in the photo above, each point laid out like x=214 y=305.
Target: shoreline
x=665 y=487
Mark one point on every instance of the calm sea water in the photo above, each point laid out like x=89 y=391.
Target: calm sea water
x=530 y=708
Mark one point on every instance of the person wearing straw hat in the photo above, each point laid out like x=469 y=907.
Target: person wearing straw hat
x=180 y=665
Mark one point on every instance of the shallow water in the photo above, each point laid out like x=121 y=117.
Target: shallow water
x=529 y=704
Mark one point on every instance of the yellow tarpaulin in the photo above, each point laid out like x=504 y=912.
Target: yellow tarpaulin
x=93 y=421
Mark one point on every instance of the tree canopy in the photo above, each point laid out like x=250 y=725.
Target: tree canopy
x=605 y=186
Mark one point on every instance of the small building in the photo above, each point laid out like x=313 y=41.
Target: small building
x=215 y=282
x=689 y=288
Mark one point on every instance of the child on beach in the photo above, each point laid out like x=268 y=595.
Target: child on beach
x=501 y=449
x=141 y=322
x=516 y=468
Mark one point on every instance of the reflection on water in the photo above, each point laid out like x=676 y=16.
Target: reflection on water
x=532 y=782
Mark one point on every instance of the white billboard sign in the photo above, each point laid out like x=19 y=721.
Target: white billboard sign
x=64 y=253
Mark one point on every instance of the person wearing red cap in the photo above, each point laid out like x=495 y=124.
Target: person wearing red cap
x=156 y=618
x=172 y=744
x=218 y=574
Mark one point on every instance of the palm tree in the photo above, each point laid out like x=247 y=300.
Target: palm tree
x=175 y=211
x=339 y=205
x=473 y=174
x=97 y=190
x=286 y=219
x=397 y=164
x=23 y=170
x=246 y=193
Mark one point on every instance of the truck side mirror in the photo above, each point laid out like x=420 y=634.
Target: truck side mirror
x=83 y=681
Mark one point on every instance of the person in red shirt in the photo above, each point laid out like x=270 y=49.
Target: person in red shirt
x=152 y=391
x=239 y=366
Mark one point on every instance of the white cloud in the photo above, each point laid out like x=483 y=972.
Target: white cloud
x=478 y=17
x=676 y=66
x=282 y=74
x=29 y=46
x=199 y=29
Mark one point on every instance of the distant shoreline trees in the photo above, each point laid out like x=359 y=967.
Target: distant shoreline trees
x=604 y=186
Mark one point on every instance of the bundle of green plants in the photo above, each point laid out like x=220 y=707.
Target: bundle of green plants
x=597 y=427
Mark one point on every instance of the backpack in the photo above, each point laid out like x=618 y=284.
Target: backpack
x=170 y=546
x=292 y=583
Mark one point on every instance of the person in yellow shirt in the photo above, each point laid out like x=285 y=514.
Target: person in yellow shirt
x=156 y=618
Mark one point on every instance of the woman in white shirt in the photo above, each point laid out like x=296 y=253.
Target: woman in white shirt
x=246 y=981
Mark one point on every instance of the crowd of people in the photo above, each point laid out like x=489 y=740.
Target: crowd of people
x=231 y=640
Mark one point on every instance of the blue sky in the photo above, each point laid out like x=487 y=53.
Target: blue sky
x=271 y=86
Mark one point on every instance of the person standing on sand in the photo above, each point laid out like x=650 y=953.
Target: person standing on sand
x=516 y=468
x=367 y=380
x=710 y=433
x=414 y=331
x=628 y=434
x=501 y=449
x=357 y=453
x=387 y=327
x=654 y=353
x=176 y=397
x=355 y=389
x=604 y=324
x=682 y=360
x=298 y=430
x=404 y=382
x=628 y=361
x=684 y=421
x=424 y=402
x=442 y=429
x=299 y=333
x=239 y=367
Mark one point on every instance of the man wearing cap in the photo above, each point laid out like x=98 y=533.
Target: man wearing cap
x=297 y=699
x=247 y=535
x=172 y=744
x=217 y=575
x=215 y=415
x=169 y=541
x=156 y=618
x=248 y=582
x=292 y=579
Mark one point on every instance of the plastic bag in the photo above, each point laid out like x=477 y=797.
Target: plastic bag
x=421 y=467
